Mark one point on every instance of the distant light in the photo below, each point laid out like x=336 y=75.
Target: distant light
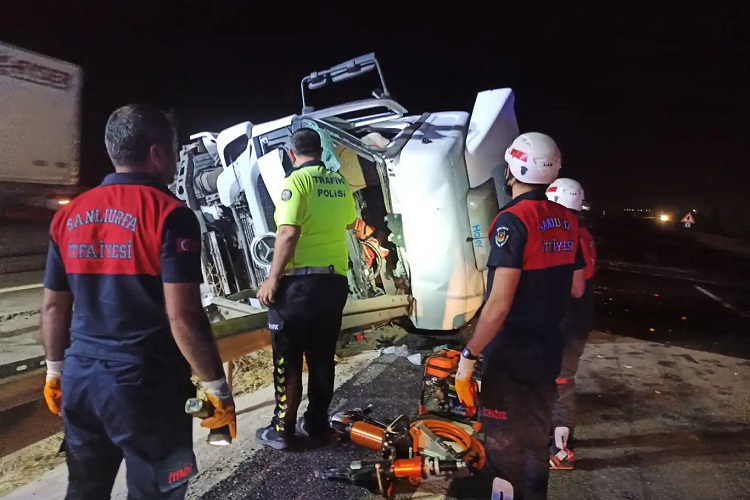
x=664 y=218
x=63 y=202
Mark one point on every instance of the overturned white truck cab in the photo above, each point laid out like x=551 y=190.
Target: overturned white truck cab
x=426 y=187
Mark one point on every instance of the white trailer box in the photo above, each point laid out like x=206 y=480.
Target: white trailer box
x=39 y=118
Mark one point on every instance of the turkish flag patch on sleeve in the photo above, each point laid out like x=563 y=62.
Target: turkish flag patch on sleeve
x=185 y=245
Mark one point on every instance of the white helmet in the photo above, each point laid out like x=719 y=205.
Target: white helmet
x=533 y=158
x=567 y=193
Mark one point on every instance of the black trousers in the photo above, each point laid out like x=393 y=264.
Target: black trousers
x=564 y=413
x=516 y=420
x=305 y=320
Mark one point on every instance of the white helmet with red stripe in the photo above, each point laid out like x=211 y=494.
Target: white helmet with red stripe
x=533 y=158
x=567 y=193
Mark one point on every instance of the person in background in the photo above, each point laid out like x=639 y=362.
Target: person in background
x=575 y=327
x=534 y=265
x=306 y=291
x=127 y=255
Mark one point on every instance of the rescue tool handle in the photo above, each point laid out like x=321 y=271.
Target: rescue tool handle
x=201 y=408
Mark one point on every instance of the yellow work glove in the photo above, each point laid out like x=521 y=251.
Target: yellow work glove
x=53 y=387
x=464 y=389
x=220 y=396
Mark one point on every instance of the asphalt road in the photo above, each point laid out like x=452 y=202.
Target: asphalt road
x=663 y=406
x=23 y=249
x=670 y=289
x=663 y=391
x=648 y=242
x=26 y=238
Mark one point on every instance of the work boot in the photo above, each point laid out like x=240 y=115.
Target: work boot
x=275 y=438
x=316 y=437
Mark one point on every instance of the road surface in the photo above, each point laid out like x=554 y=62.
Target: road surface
x=23 y=247
x=663 y=389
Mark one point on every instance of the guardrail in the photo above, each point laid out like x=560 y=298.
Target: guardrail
x=235 y=337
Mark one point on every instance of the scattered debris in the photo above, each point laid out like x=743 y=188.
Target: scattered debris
x=403 y=352
x=400 y=351
x=415 y=359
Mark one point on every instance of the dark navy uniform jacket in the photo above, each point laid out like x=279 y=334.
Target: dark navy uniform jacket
x=113 y=247
x=542 y=239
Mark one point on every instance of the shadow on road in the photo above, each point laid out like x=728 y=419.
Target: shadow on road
x=722 y=444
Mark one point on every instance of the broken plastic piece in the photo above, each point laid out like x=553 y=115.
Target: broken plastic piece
x=415 y=359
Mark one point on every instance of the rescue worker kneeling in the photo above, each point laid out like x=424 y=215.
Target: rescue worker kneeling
x=575 y=328
x=534 y=261
x=127 y=253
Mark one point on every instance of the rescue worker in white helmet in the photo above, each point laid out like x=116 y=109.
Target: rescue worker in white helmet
x=533 y=263
x=575 y=328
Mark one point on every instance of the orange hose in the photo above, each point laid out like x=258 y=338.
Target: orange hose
x=473 y=450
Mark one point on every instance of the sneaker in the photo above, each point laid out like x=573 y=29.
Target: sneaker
x=562 y=460
x=319 y=438
x=269 y=436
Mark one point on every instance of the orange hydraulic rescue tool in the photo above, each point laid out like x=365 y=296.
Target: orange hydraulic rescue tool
x=438 y=395
x=419 y=450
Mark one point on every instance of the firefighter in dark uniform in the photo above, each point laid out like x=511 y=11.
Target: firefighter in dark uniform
x=533 y=258
x=127 y=256
x=576 y=326
x=306 y=290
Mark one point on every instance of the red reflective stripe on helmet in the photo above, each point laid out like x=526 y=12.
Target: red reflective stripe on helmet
x=519 y=155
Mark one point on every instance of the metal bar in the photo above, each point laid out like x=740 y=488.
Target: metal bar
x=21 y=367
x=372 y=318
x=236 y=307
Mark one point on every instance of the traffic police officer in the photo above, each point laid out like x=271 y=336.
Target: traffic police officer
x=306 y=290
x=576 y=326
x=127 y=254
x=534 y=255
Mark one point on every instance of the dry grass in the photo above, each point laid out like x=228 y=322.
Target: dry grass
x=27 y=464
x=253 y=371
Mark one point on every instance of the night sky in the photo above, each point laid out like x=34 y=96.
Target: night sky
x=649 y=105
